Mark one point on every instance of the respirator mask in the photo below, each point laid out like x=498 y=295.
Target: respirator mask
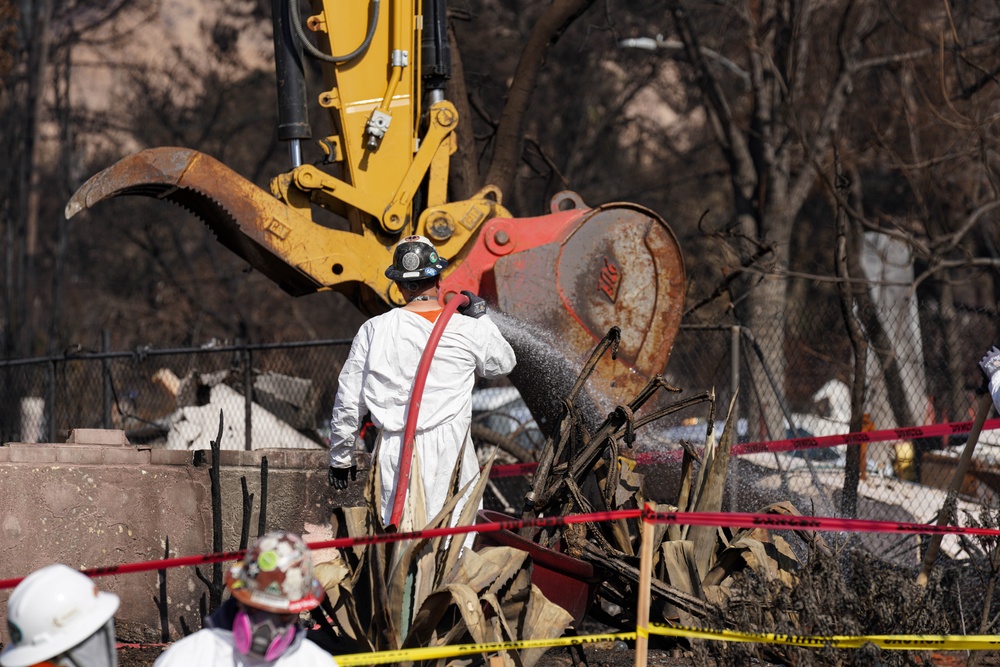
x=263 y=633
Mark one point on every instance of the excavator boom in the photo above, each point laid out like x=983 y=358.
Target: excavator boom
x=382 y=173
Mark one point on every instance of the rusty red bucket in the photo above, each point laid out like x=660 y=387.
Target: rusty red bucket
x=569 y=582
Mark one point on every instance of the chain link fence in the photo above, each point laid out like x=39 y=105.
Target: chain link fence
x=270 y=395
x=923 y=370
x=280 y=395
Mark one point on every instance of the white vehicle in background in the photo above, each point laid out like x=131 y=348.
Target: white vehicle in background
x=503 y=428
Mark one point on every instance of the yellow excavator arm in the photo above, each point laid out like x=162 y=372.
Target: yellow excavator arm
x=381 y=153
x=382 y=171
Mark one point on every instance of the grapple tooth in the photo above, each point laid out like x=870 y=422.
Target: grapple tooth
x=149 y=173
x=246 y=219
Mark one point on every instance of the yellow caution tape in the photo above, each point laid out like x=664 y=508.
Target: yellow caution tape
x=455 y=650
x=894 y=642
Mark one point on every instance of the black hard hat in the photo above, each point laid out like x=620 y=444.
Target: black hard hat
x=415 y=258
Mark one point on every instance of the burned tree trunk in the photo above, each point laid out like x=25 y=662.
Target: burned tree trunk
x=848 y=298
x=550 y=27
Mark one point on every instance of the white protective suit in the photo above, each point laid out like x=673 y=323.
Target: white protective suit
x=213 y=647
x=994 y=384
x=378 y=377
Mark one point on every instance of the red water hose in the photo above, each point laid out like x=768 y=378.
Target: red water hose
x=416 y=395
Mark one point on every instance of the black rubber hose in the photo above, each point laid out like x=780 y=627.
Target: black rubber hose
x=296 y=20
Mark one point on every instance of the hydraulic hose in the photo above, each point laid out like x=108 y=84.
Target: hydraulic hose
x=416 y=395
x=296 y=19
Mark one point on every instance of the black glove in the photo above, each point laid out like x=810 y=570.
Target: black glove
x=338 y=476
x=476 y=307
x=990 y=365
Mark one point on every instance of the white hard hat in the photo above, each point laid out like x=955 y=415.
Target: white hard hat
x=51 y=611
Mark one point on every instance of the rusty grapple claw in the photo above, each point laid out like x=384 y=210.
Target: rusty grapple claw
x=246 y=219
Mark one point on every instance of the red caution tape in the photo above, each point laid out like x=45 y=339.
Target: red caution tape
x=704 y=519
x=145 y=566
x=344 y=542
x=908 y=433
x=513 y=470
x=786 y=522
x=731 y=519
x=792 y=444
x=798 y=444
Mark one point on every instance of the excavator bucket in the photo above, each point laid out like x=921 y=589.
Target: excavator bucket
x=567 y=278
x=245 y=219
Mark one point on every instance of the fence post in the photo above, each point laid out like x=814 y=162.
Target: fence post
x=734 y=369
x=106 y=376
x=247 y=396
x=50 y=401
x=645 y=580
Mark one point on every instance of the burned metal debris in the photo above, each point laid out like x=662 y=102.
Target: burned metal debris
x=584 y=470
x=543 y=582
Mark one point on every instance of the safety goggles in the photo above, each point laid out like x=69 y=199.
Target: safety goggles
x=98 y=650
x=64 y=660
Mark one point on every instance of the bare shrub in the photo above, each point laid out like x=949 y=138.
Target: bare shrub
x=845 y=593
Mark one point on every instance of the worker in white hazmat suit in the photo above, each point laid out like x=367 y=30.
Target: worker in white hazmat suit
x=990 y=365
x=258 y=625
x=379 y=373
x=56 y=616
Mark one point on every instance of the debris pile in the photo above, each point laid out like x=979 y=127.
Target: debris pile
x=584 y=470
x=434 y=591
x=754 y=580
x=431 y=592
x=282 y=411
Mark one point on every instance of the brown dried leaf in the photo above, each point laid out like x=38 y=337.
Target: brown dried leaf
x=680 y=571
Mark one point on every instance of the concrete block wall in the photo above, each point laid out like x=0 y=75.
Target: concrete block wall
x=98 y=500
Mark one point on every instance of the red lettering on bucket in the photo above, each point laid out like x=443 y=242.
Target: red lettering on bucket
x=609 y=279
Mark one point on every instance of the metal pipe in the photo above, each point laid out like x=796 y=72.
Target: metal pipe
x=390 y=91
x=248 y=399
x=435 y=53
x=106 y=347
x=295 y=152
x=398 y=55
x=416 y=395
x=50 y=403
x=734 y=369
